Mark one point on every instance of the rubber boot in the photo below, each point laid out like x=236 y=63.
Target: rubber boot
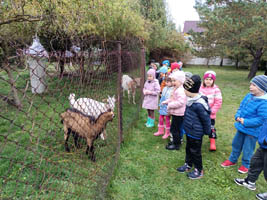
x=148 y=121
x=151 y=124
x=167 y=133
x=160 y=131
x=212 y=144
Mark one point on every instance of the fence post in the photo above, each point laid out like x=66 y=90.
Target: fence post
x=143 y=71
x=119 y=91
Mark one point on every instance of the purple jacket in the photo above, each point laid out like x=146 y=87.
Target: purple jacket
x=151 y=100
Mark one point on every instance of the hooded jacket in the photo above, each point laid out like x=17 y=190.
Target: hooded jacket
x=262 y=139
x=254 y=111
x=197 y=117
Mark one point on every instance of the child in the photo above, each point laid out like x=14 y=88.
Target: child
x=249 y=119
x=175 y=67
x=163 y=74
x=212 y=91
x=196 y=124
x=176 y=107
x=151 y=92
x=258 y=164
x=163 y=111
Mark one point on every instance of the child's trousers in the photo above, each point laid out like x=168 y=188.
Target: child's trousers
x=193 y=153
x=258 y=164
x=243 y=143
x=167 y=121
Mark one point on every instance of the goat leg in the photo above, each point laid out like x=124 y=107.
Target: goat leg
x=76 y=140
x=92 y=153
x=133 y=97
x=66 y=139
x=129 y=96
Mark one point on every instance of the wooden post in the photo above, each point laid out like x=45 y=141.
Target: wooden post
x=119 y=92
x=143 y=71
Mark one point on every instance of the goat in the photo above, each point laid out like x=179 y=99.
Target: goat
x=92 y=107
x=129 y=85
x=81 y=125
x=138 y=81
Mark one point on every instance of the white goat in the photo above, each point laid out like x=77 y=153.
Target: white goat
x=92 y=107
x=129 y=85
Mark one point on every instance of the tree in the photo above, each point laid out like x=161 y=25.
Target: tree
x=238 y=24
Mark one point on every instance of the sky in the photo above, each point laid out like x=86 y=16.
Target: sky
x=182 y=10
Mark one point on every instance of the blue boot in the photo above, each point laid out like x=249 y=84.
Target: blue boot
x=151 y=124
x=148 y=121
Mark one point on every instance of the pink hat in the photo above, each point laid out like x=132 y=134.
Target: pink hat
x=210 y=74
x=152 y=72
x=175 y=65
x=178 y=75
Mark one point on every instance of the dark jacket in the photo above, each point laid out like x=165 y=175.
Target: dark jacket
x=262 y=139
x=197 y=117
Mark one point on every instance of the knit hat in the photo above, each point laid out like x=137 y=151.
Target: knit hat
x=210 y=74
x=188 y=75
x=163 y=69
x=166 y=62
x=175 y=65
x=157 y=64
x=178 y=75
x=193 y=84
x=151 y=72
x=261 y=82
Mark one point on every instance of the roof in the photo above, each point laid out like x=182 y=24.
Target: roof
x=192 y=25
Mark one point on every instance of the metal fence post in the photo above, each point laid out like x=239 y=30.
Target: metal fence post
x=119 y=91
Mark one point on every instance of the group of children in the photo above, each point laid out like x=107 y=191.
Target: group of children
x=189 y=105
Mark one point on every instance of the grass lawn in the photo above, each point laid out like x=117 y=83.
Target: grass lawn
x=33 y=161
x=147 y=171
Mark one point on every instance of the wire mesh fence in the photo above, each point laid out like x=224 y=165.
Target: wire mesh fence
x=62 y=116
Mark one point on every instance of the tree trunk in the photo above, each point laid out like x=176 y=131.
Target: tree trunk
x=221 y=63
x=255 y=64
x=12 y=85
x=236 y=63
x=208 y=61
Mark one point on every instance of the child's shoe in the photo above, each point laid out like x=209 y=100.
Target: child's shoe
x=148 y=121
x=151 y=124
x=227 y=163
x=184 y=168
x=245 y=183
x=242 y=170
x=172 y=146
x=167 y=133
x=160 y=131
x=195 y=174
x=212 y=144
x=262 y=196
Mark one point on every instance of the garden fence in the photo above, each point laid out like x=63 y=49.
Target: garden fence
x=38 y=85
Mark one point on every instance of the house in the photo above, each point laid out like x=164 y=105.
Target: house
x=193 y=26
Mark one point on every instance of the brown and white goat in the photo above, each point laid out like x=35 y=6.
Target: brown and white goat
x=84 y=126
x=129 y=85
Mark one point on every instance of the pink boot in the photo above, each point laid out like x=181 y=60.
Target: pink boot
x=160 y=131
x=167 y=133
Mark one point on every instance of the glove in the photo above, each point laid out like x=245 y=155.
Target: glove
x=213 y=133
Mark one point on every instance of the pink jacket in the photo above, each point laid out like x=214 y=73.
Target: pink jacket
x=151 y=100
x=215 y=98
x=177 y=102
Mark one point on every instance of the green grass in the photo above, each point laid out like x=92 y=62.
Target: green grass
x=34 y=164
x=147 y=171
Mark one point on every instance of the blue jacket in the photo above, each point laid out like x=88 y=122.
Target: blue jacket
x=254 y=110
x=197 y=117
x=263 y=136
x=166 y=93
